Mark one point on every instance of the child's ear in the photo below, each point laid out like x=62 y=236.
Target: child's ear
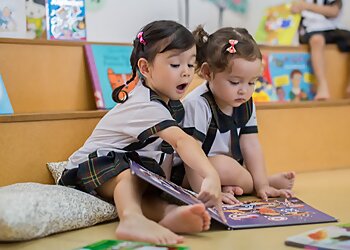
x=143 y=66
x=205 y=71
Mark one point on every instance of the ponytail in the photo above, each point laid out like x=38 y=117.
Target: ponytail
x=119 y=95
x=201 y=37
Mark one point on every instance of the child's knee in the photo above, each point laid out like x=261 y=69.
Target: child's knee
x=317 y=40
x=106 y=190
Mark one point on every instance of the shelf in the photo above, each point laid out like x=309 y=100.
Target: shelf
x=54 y=42
x=305 y=104
x=31 y=117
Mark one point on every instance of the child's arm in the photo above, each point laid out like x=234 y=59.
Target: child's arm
x=192 y=154
x=325 y=10
x=254 y=161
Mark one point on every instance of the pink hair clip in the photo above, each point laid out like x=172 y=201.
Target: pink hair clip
x=140 y=37
x=232 y=48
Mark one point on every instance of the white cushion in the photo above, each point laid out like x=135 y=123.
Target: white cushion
x=56 y=169
x=32 y=210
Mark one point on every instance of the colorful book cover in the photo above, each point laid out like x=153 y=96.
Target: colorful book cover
x=292 y=76
x=249 y=214
x=36 y=18
x=331 y=237
x=129 y=245
x=110 y=68
x=66 y=19
x=5 y=104
x=12 y=18
x=264 y=89
x=278 y=26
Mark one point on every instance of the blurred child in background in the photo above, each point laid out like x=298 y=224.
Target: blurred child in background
x=320 y=25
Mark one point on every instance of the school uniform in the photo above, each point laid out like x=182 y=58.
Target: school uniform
x=313 y=23
x=219 y=133
x=126 y=132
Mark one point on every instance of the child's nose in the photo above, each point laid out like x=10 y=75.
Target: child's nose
x=186 y=72
x=242 y=90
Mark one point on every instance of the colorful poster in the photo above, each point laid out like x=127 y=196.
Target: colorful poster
x=278 y=26
x=264 y=90
x=36 y=18
x=66 y=19
x=292 y=76
x=12 y=19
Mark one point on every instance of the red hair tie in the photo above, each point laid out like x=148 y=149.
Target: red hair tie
x=232 y=48
x=140 y=37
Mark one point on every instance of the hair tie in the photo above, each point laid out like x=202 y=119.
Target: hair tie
x=140 y=37
x=205 y=38
x=232 y=48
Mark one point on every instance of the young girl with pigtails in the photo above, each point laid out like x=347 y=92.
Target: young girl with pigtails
x=143 y=127
x=220 y=114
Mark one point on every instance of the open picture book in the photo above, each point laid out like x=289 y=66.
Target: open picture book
x=249 y=214
x=129 y=245
x=330 y=237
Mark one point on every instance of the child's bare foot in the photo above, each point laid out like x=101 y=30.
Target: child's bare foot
x=186 y=219
x=282 y=180
x=322 y=94
x=139 y=228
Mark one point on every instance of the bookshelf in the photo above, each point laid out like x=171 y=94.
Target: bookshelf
x=50 y=90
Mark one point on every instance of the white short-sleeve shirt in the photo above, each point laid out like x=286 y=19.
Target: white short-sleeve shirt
x=134 y=121
x=316 y=22
x=197 y=118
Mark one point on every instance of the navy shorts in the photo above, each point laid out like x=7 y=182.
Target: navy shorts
x=338 y=36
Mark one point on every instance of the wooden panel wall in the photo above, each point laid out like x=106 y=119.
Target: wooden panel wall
x=302 y=139
x=45 y=77
x=305 y=139
x=27 y=146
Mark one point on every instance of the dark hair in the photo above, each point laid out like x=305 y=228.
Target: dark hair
x=340 y=3
x=159 y=37
x=295 y=71
x=213 y=48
